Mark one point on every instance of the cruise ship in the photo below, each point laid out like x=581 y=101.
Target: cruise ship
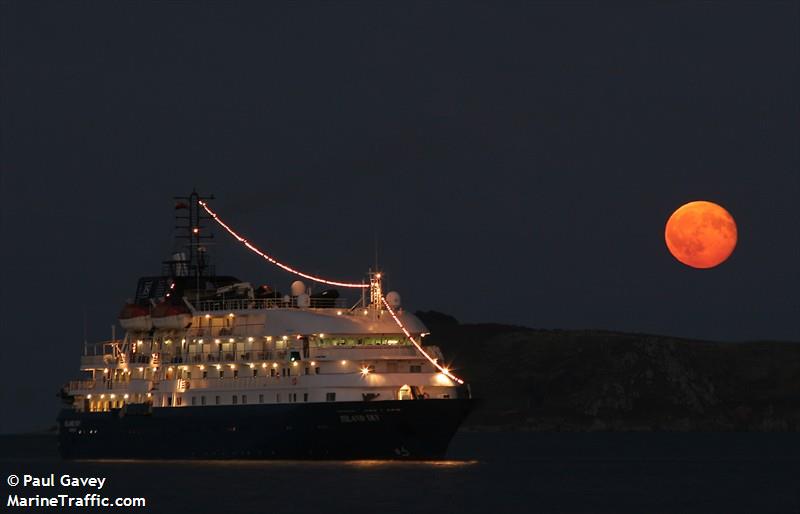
x=208 y=366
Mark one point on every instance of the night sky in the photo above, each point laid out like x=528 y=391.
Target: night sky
x=517 y=162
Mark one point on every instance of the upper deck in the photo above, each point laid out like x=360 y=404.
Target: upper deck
x=269 y=317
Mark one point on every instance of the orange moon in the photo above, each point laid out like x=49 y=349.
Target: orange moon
x=701 y=234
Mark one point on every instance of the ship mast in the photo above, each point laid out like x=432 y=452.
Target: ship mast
x=192 y=228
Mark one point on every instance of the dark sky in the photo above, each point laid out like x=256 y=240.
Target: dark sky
x=518 y=161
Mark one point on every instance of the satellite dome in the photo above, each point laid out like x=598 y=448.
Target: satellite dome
x=393 y=299
x=298 y=288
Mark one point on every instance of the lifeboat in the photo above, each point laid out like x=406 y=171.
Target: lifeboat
x=135 y=318
x=166 y=315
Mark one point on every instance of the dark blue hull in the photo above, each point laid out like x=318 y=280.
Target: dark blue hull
x=409 y=429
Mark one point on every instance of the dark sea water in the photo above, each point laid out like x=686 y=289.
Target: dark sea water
x=486 y=473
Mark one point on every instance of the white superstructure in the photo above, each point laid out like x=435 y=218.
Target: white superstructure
x=248 y=350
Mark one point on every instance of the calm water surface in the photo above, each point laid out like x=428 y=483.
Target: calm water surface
x=486 y=472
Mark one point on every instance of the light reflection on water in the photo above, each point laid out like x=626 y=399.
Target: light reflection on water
x=405 y=463
x=601 y=473
x=293 y=463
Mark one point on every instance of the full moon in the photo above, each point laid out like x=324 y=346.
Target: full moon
x=701 y=234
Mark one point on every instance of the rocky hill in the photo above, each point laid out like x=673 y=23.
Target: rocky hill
x=593 y=380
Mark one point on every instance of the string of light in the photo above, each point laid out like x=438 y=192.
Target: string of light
x=273 y=260
x=445 y=371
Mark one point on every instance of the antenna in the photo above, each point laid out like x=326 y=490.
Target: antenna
x=376 y=248
x=85 y=337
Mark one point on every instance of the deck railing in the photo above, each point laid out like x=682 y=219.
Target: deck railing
x=266 y=303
